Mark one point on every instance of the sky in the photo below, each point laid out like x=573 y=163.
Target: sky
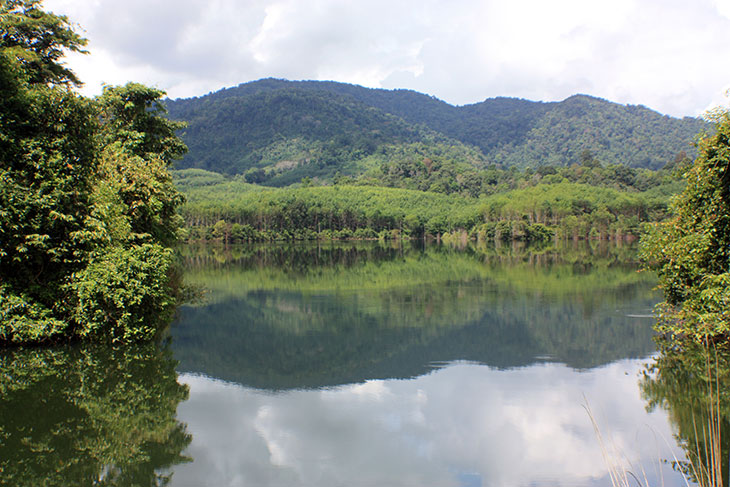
x=670 y=55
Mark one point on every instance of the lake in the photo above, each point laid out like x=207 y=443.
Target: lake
x=363 y=364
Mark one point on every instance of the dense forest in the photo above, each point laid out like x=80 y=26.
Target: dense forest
x=361 y=163
x=278 y=132
x=577 y=202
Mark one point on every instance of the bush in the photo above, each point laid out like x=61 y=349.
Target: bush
x=125 y=295
x=23 y=320
x=537 y=232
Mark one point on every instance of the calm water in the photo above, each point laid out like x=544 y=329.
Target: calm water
x=360 y=365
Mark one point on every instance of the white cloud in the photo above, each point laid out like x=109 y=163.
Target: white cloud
x=723 y=7
x=666 y=54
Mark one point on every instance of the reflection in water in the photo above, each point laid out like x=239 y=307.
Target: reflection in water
x=693 y=385
x=296 y=365
x=462 y=425
x=89 y=415
x=308 y=316
x=296 y=368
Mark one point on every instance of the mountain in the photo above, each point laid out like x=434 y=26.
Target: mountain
x=278 y=132
x=306 y=132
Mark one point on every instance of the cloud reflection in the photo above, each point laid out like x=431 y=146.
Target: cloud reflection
x=464 y=424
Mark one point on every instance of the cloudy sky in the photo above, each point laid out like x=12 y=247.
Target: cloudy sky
x=670 y=55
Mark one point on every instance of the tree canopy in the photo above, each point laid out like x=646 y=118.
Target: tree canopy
x=38 y=40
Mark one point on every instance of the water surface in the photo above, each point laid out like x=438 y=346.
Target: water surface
x=363 y=365
x=374 y=365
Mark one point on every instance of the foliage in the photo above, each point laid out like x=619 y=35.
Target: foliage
x=330 y=208
x=47 y=169
x=90 y=415
x=124 y=294
x=691 y=251
x=147 y=196
x=81 y=182
x=24 y=319
x=288 y=128
x=633 y=136
x=133 y=117
x=37 y=39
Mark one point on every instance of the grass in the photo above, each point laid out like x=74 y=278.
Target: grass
x=709 y=473
x=704 y=459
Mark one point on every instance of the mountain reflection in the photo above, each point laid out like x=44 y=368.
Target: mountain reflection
x=312 y=316
x=90 y=415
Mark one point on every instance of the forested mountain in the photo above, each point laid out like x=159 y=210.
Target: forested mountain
x=278 y=132
x=289 y=130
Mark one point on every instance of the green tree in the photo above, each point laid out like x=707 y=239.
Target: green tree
x=133 y=118
x=38 y=39
x=691 y=250
x=47 y=169
x=87 y=205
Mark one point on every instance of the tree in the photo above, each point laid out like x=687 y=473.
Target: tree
x=691 y=250
x=126 y=292
x=37 y=39
x=133 y=118
x=87 y=205
x=139 y=145
x=47 y=168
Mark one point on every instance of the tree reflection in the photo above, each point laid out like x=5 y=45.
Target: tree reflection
x=691 y=383
x=90 y=415
x=287 y=317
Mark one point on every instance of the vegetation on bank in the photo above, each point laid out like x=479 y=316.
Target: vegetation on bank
x=228 y=209
x=691 y=250
x=88 y=210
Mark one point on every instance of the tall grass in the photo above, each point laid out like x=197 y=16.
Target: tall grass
x=709 y=472
x=620 y=469
x=703 y=466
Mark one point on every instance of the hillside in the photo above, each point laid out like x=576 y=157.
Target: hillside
x=278 y=132
x=293 y=133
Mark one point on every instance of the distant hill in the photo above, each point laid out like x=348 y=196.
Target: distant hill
x=278 y=132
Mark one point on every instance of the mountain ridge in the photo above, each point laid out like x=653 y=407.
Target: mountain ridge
x=296 y=129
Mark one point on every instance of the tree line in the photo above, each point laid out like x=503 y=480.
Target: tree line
x=230 y=210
